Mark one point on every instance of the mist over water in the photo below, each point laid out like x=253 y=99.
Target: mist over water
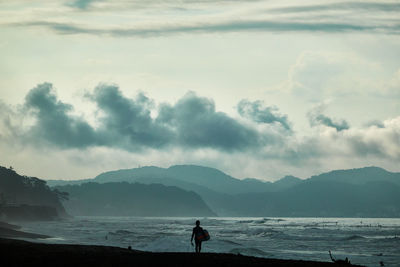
x=363 y=241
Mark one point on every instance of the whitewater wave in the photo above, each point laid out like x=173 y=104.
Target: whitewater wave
x=259 y=221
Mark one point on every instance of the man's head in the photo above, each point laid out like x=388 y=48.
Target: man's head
x=197 y=223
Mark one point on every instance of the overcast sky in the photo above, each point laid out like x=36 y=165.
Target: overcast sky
x=254 y=88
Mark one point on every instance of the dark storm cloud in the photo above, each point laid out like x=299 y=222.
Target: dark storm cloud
x=197 y=124
x=127 y=123
x=257 y=112
x=190 y=123
x=53 y=123
x=129 y=118
x=317 y=118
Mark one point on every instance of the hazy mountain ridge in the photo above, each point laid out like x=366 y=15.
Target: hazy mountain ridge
x=214 y=186
x=367 y=192
x=202 y=176
x=325 y=199
x=360 y=176
x=210 y=178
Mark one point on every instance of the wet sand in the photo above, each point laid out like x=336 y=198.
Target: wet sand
x=10 y=231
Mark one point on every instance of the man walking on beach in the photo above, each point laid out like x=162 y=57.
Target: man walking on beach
x=197 y=234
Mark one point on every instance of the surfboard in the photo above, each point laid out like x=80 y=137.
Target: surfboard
x=204 y=237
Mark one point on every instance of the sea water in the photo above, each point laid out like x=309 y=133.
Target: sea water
x=364 y=241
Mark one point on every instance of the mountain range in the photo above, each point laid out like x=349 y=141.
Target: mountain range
x=363 y=192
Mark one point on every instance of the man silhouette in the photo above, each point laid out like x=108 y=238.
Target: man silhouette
x=197 y=232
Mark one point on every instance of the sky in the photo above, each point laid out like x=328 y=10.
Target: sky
x=258 y=89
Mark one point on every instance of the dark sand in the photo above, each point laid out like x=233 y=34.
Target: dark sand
x=23 y=253
x=10 y=231
x=9 y=226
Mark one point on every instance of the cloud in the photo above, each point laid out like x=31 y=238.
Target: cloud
x=81 y=4
x=125 y=123
x=316 y=117
x=383 y=141
x=321 y=119
x=259 y=113
x=368 y=6
x=53 y=123
x=192 y=123
x=371 y=142
x=166 y=18
x=188 y=131
x=375 y=123
x=9 y=121
x=128 y=119
x=166 y=29
x=198 y=124
x=326 y=148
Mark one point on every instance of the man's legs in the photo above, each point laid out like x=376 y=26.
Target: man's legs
x=198 y=246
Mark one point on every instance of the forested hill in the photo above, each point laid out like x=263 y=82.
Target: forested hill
x=18 y=193
x=133 y=199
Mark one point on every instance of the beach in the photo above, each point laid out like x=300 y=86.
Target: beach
x=24 y=253
x=12 y=231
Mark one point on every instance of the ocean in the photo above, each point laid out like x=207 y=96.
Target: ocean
x=365 y=241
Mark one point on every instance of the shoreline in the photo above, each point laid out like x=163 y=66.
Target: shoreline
x=11 y=233
x=8 y=230
x=26 y=253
